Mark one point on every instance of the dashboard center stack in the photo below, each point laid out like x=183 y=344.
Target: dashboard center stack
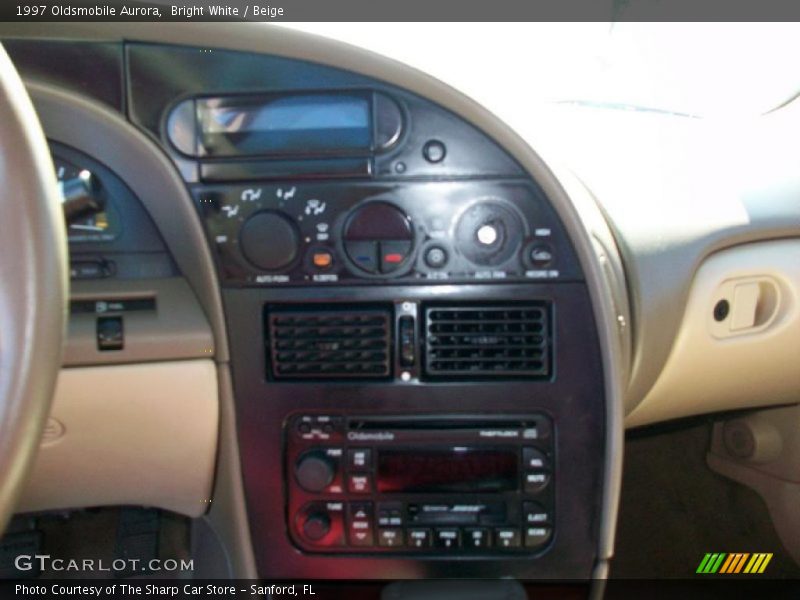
x=415 y=361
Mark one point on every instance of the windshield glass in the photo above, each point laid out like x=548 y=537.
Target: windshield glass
x=698 y=69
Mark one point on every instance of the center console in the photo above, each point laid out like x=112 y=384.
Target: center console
x=416 y=366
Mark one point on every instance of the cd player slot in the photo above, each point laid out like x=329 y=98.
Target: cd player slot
x=449 y=424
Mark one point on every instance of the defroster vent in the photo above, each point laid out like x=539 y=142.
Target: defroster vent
x=495 y=340
x=329 y=344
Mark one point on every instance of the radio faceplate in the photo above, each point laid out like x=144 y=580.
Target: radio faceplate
x=431 y=485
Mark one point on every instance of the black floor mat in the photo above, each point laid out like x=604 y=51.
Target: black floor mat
x=674 y=509
x=98 y=535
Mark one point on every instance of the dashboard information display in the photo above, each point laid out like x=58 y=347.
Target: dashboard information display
x=285 y=125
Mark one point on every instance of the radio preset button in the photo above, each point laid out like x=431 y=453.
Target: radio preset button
x=533 y=458
x=449 y=538
x=390 y=537
x=536 y=481
x=359 y=458
x=537 y=536
x=420 y=538
x=359 y=483
x=477 y=538
x=507 y=538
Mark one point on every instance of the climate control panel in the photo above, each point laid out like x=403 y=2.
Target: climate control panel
x=405 y=232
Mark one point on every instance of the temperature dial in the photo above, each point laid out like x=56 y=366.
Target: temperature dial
x=378 y=238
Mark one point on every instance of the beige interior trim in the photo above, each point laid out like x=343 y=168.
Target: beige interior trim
x=176 y=329
x=748 y=359
x=142 y=434
x=762 y=451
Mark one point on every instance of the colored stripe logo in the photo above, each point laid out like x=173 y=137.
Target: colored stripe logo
x=733 y=563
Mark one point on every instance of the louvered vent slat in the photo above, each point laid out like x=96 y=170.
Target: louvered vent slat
x=329 y=344
x=503 y=340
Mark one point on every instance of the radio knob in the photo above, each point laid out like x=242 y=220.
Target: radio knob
x=269 y=240
x=315 y=471
x=316 y=526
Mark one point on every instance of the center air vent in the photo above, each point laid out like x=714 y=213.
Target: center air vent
x=510 y=340
x=329 y=344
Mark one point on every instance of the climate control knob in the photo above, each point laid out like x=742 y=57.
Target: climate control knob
x=269 y=240
x=315 y=471
x=489 y=233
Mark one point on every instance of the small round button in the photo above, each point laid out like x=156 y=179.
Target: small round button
x=541 y=255
x=486 y=234
x=434 y=151
x=436 y=257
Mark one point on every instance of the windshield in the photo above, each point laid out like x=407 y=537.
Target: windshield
x=698 y=69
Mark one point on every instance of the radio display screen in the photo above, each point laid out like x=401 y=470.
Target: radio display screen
x=310 y=124
x=447 y=470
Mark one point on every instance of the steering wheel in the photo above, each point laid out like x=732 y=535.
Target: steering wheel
x=33 y=284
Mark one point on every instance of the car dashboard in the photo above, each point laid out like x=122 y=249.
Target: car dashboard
x=357 y=324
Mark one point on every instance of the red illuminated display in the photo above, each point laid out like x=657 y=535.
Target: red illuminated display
x=450 y=470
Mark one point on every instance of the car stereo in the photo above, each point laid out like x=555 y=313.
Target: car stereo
x=443 y=484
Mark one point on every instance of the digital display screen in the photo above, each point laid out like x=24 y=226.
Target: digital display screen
x=447 y=470
x=312 y=124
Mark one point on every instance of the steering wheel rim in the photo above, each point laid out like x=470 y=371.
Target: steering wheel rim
x=33 y=284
